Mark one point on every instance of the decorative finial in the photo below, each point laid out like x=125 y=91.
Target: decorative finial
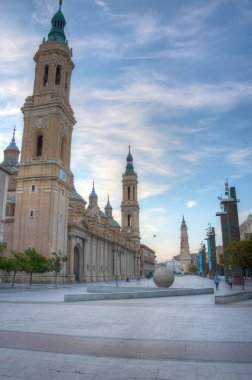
x=60 y=3
x=13 y=136
x=93 y=186
x=108 y=198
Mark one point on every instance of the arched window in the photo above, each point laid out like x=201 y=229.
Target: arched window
x=62 y=149
x=66 y=81
x=129 y=220
x=128 y=192
x=45 y=78
x=39 y=146
x=57 y=75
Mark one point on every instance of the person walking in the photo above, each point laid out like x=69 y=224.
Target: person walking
x=138 y=280
x=117 y=280
x=230 y=281
x=216 y=281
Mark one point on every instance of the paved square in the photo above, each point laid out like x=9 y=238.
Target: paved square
x=188 y=337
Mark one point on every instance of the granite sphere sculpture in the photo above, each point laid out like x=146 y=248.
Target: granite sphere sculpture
x=163 y=277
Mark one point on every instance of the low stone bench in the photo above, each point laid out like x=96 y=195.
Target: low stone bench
x=127 y=293
x=233 y=297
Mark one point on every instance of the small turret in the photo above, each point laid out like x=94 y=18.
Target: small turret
x=11 y=153
x=93 y=198
x=108 y=209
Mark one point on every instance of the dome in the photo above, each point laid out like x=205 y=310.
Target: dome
x=114 y=223
x=76 y=197
x=58 y=24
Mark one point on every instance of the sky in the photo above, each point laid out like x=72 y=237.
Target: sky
x=172 y=78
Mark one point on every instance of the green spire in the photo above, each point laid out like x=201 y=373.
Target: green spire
x=129 y=167
x=58 y=24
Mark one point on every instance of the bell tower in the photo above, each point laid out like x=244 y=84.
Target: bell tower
x=44 y=176
x=129 y=206
x=185 y=258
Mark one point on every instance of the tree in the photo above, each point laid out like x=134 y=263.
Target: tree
x=56 y=264
x=2 y=258
x=35 y=262
x=193 y=268
x=239 y=253
x=15 y=264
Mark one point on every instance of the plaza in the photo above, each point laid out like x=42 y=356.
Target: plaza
x=186 y=337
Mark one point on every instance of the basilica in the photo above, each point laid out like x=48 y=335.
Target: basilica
x=43 y=210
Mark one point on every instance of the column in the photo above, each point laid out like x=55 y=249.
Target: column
x=71 y=260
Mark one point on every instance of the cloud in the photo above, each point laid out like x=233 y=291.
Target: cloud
x=44 y=9
x=102 y=4
x=191 y=204
x=218 y=96
x=241 y=160
x=241 y=157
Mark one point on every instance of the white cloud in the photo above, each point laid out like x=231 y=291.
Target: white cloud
x=218 y=96
x=102 y=4
x=241 y=157
x=44 y=9
x=191 y=204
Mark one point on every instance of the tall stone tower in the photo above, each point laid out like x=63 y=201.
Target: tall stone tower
x=44 y=176
x=129 y=205
x=185 y=258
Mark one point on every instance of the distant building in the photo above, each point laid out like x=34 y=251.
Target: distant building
x=4 y=180
x=8 y=174
x=147 y=260
x=184 y=257
x=219 y=252
x=246 y=227
x=194 y=259
x=174 y=265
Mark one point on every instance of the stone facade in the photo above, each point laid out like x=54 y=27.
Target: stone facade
x=246 y=227
x=48 y=213
x=147 y=261
x=4 y=181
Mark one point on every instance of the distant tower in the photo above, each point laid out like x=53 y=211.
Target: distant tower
x=11 y=153
x=44 y=177
x=129 y=205
x=185 y=258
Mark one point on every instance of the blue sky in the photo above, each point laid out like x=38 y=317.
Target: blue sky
x=171 y=77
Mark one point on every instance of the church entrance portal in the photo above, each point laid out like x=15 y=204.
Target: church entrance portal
x=76 y=264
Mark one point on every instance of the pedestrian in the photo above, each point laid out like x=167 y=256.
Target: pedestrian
x=216 y=281
x=230 y=281
x=138 y=280
x=116 y=280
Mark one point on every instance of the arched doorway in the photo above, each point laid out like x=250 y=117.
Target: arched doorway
x=77 y=264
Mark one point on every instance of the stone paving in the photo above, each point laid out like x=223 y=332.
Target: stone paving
x=186 y=337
